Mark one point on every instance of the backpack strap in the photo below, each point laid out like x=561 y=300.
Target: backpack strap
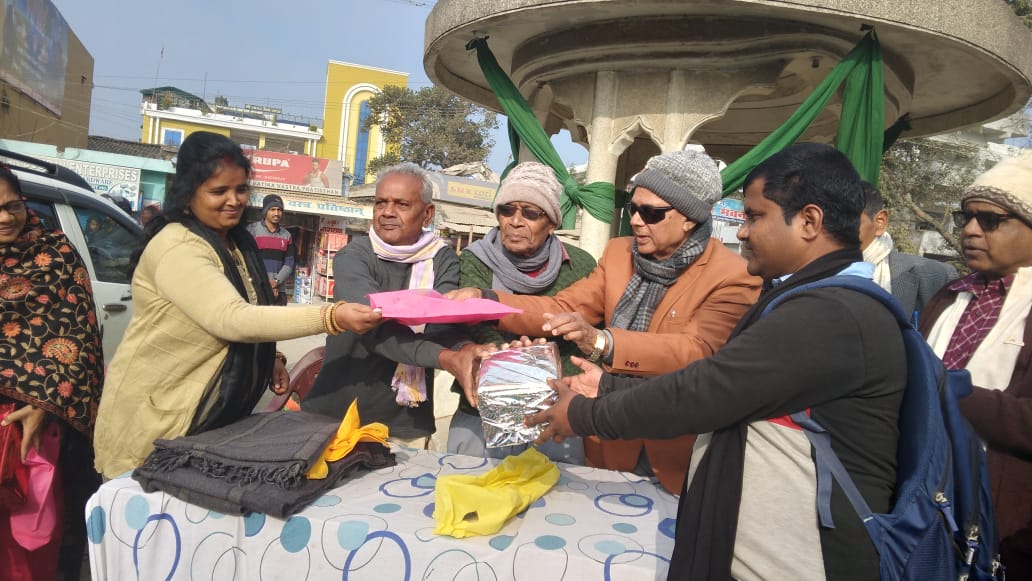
x=829 y=466
x=826 y=462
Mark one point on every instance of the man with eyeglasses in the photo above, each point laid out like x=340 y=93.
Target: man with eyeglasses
x=667 y=296
x=522 y=255
x=981 y=323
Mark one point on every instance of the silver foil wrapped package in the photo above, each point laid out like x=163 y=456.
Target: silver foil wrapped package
x=511 y=384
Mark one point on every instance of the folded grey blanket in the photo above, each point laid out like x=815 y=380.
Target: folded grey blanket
x=257 y=464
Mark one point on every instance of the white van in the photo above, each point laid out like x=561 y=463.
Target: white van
x=104 y=235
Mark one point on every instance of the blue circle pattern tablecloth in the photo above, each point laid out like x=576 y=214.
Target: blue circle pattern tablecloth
x=594 y=524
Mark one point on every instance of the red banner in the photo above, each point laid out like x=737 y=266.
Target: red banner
x=296 y=173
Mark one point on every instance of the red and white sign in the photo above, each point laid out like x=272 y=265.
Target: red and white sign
x=295 y=173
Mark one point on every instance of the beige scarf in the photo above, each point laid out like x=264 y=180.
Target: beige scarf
x=877 y=253
x=409 y=381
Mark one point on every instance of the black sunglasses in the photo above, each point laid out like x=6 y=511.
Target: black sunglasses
x=649 y=214
x=987 y=221
x=509 y=210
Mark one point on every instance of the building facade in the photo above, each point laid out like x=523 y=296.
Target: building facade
x=46 y=76
x=345 y=137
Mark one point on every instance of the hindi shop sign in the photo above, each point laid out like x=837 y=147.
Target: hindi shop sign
x=295 y=173
x=113 y=180
x=296 y=203
x=729 y=210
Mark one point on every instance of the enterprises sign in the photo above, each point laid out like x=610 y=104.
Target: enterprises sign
x=113 y=180
x=295 y=173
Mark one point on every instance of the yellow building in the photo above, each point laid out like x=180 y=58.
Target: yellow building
x=171 y=114
x=348 y=90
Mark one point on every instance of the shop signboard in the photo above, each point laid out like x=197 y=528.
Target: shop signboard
x=310 y=205
x=113 y=180
x=466 y=191
x=729 y=210
x=295 y=173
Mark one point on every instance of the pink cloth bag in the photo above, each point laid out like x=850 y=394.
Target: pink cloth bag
x=425 y=306
x=36 y=523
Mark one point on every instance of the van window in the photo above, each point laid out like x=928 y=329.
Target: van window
x=110 y=245
x=45 y=211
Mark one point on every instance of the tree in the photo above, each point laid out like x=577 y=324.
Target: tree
x=430 y=127
x=924 y=178
x=1022 y=8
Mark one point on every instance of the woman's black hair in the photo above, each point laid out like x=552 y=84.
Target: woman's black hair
x=12 y=180
x=199 y=157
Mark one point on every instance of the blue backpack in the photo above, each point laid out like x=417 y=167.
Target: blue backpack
x=942 y=525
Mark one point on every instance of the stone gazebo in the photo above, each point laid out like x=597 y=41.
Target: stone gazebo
x=632 y=78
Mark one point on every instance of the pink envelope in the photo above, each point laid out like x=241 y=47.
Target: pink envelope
x=422 y=306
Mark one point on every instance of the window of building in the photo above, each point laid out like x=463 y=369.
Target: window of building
x=362 y=144
x=173 y=137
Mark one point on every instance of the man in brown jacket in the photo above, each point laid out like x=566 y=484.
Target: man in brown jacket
x=667 y=296
x=981 y=323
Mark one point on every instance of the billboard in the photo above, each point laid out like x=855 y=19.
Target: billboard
x=295 y=173
x=114 y=180
x=34 y=51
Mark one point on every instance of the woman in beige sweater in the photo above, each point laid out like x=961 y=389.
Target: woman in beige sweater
x=199 y=349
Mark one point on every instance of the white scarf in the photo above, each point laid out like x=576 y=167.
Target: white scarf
x=409 y=381
x=877 y=253
x=992 y=363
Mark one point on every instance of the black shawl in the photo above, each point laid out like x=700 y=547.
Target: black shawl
x=247 y=371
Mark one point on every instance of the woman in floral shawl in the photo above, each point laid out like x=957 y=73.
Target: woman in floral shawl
x=51 y=368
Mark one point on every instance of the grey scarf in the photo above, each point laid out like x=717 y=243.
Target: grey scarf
x=652 y=278
x=510 y=271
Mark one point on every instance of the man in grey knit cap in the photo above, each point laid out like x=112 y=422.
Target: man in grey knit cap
x=663 y=298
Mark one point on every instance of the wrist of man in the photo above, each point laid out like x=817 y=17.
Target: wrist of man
x=597 y=347
x=609 y=349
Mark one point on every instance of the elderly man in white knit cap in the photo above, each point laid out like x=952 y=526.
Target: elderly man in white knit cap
x=522 y=256
x=981 y=323
x=664 y=297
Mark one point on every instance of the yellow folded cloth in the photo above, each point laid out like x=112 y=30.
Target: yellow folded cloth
x=467 y=505
x=349 y=433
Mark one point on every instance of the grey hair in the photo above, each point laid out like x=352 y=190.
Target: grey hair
x=410 y=169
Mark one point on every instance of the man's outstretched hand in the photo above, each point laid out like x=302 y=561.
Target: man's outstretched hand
x=555 y=421
x=459 y=363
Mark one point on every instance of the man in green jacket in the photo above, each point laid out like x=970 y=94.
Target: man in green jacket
x=521 y=255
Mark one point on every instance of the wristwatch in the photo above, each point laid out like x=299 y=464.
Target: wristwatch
x=598 y=347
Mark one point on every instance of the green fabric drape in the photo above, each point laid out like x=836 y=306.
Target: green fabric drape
x=596 y=198
x=860 y=131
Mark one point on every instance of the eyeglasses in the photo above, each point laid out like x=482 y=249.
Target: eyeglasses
x=509 y=210
x=987 y=221
x=15 y=207
x=649 y=214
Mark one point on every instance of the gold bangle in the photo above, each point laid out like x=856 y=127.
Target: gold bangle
x=337 y=328
x=327 y=320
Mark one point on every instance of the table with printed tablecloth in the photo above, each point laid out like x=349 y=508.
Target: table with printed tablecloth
x=593 y=524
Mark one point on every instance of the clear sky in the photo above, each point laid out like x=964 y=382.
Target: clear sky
x=258 y=51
